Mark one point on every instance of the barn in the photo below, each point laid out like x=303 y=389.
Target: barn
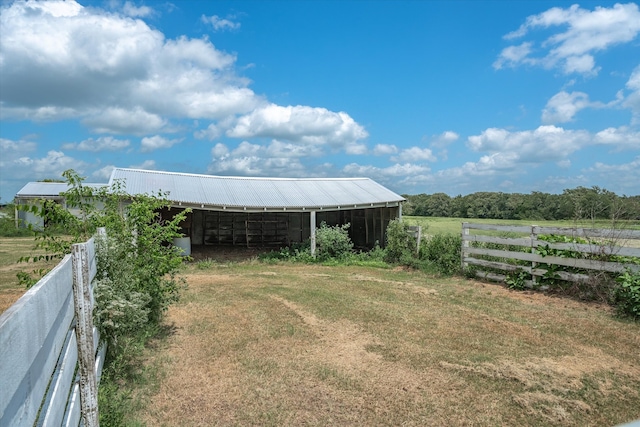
x=265 y=212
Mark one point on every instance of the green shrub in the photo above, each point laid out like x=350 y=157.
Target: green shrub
x=333 y=242
x=8 y=224
x=401 y=246
x=627 y=295
x=443 y=250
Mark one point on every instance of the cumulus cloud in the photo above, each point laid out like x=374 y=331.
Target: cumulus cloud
x=563 y=106
x=134 y=11
x=546 y=143
x=621 y=138
x=103 y=173
x=385 y=149
x=60 y=60
x=632 y=101
x=414 y=154
x=147 y=164
x=625 y=175
x=572 y=49
x=299 y=124
x=396 y=170
x=220 y=24
x=51 y=166
x=103 y=143
x=155 y=142
x=276 y=159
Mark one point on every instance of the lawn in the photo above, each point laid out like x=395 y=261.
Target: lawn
x=435 y=225
x=290 y=344
x=11 y=250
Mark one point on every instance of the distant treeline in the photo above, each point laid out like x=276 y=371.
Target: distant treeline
x=576 y=204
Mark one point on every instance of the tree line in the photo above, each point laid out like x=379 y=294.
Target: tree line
x=580 y=203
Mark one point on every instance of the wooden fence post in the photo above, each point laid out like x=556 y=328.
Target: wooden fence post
x=534 y=246
x=84 y=334
x=465 y=244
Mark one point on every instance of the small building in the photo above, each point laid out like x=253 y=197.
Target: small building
x=35 y=192
x=261 y=212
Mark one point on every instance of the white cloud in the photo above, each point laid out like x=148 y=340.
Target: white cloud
x=620 y=138
x=396 y=170
x=514 y=55
x=546 y=143
x=355 y=148
x=155 y=142
x=134 y=11
x=103 y=143
x=221 y=24
x=585 y=33
x=60 y=60
x=50 y=166
x=626 y=175
x=147 y=164
x=384 y=149
x=299 y=124
x=563 y=106
x=219 y=151
x=632 y=101
x=276 y=159
x=122 y=121
x=103 y=173
x=415 y=154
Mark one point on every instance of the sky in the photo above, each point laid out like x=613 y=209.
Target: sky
x=450 y=97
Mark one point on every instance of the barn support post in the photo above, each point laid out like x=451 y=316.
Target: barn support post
x=312 y=224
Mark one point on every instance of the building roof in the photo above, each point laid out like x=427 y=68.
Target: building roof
x=257 y=194
x=34 y=190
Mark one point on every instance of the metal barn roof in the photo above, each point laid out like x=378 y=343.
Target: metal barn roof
x=253 y=194
x=47 y=189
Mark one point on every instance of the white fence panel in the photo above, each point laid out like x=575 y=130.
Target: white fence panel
x=39 y=348
x=32 y=333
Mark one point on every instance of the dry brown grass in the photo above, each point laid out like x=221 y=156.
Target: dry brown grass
x=11 y=249
x=296 y=345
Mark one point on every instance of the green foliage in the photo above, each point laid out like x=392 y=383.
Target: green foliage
x=333 y=242
x=401 y=246
x=517 y=280
x=573 y=204
x=443 y=250
x=137 y=264
x=8 y=223
x=627 y=294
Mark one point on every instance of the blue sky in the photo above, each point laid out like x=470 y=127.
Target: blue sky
x=421 y=96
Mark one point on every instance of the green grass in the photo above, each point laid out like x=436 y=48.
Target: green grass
x=435 y=225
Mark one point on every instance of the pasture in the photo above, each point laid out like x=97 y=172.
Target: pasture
x=291 y=344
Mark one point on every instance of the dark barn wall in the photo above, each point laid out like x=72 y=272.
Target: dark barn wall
x=278 y=229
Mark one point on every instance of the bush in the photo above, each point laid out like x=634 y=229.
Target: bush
x=627 y=294
x=333 y=242
x=401 y=246
x=8 y=225
x=444 y=251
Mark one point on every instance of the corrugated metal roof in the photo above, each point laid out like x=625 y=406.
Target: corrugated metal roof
x=47 y=189
x=257 y=193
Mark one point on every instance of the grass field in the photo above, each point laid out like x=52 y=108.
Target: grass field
x=11 y=249
x=288 y=344
x=292 y=344
x=435 y=225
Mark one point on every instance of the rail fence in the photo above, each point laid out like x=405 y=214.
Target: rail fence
x=606 y=250
x=50 y=363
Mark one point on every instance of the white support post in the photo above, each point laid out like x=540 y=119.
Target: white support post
x=313 y=233
x=534 y=245
x=465 y=244
x=84 y=335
